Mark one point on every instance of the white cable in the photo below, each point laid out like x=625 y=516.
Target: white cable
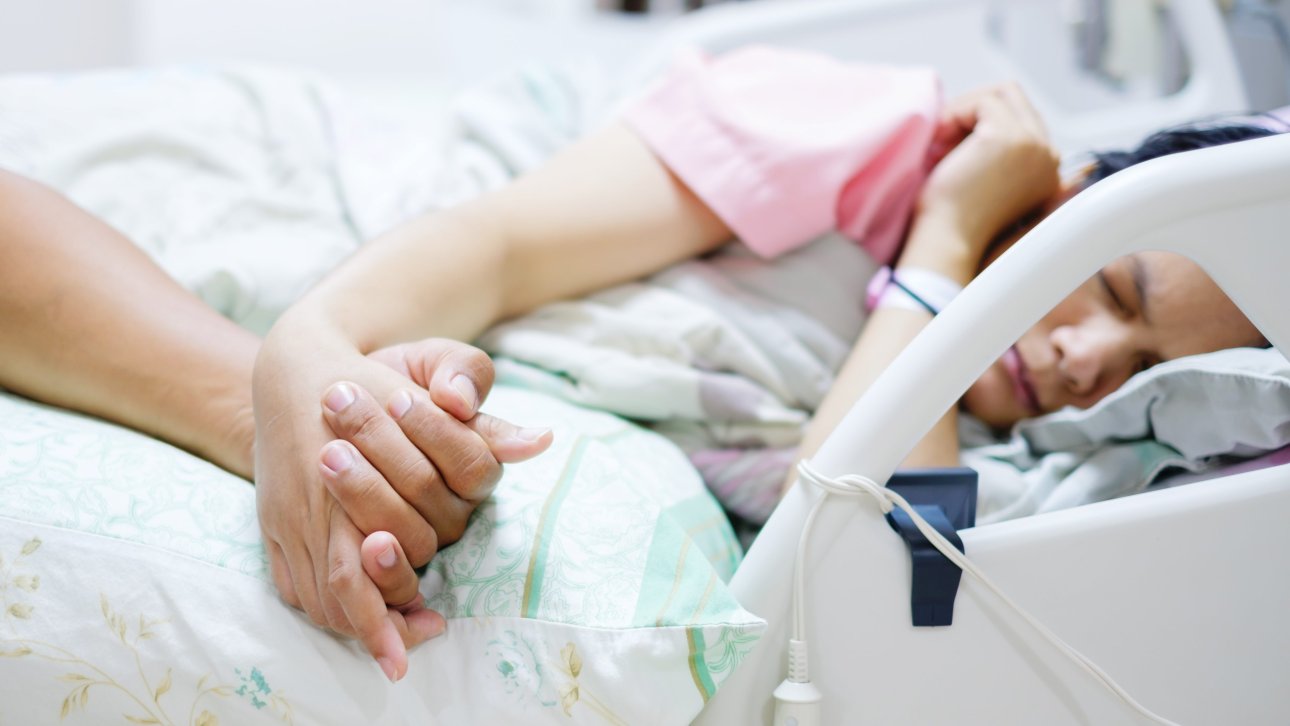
x=852 y=485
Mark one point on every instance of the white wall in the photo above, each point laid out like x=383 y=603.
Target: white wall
x=337 y=36
x=452 y=41
x=60 y=34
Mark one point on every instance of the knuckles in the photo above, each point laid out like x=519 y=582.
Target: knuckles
x=416 y=470
x=479 y=475
x=341 y=576
x=420 y=549
x=361 y=420
x=451 y=530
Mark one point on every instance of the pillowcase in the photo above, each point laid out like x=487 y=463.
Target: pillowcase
x=1234 y=401
x=133 y=587
x=1189 y=414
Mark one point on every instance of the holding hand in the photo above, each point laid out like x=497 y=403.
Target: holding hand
x=434 y=462
x=419 y=465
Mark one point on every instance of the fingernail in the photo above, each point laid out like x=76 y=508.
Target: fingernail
x=388 y=667
x=464 y=387
x=530 y=435
x=387 y=558
x=336 y=457
x=400 y=404
x=339 y=397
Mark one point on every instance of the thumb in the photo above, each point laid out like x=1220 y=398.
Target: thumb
x=509 y=443
x=458 y=378
x=457 y=375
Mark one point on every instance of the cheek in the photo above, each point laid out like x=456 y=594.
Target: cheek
x=992 y=399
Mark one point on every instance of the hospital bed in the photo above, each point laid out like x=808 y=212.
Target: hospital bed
x=1174 y=593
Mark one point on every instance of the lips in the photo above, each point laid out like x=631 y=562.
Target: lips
x=1021 y=385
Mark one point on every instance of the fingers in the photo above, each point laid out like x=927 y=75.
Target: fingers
x=463 y=459
x=373 y=504
x=282 y=575
x=461 y=381
x=388 y=568
x=291 y=567
x=1023 y=109
x=439 y=472
x=361 y=601
x=457 y=375
x=509 y=443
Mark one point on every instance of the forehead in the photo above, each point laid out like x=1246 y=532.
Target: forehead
x=1188 y=312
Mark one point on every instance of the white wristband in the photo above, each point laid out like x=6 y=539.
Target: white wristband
x=911 y=288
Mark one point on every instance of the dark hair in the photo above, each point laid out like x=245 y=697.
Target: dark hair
x=1180 y=138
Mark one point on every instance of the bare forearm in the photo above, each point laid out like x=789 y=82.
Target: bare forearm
x=932 y=245
x=602 y=212
x=90 y=323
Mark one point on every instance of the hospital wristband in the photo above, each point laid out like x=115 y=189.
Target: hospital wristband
x=911 y=288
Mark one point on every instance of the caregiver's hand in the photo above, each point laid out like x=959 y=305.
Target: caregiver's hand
x=313 y=545
x=426 y=456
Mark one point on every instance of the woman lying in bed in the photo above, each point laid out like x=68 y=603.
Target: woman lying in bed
x=703 y=157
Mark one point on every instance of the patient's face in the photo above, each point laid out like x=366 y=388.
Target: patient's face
x=1139 y=310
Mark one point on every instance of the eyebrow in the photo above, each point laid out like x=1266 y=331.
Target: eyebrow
x=1138 y=272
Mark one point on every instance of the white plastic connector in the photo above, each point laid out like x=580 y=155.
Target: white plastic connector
x=797 y=700
x=797 y=704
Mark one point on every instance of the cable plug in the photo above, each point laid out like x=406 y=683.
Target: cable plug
x=797 y=704
x=797 y=700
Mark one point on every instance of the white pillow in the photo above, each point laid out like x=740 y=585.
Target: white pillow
x=133 y=587
x=1189 y=414
x=1234 y=401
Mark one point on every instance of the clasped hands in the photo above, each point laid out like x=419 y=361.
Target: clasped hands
x=357 y=488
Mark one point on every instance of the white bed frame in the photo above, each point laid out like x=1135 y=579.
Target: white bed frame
x=956 y=37
x=1182 y=594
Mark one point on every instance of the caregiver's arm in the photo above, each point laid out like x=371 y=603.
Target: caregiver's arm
x=1001 y=167
x=604 y=211
x=90 y=323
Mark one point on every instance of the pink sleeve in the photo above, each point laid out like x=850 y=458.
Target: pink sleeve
x=786 y=145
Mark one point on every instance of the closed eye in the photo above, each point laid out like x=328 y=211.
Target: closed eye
x=1116 y=300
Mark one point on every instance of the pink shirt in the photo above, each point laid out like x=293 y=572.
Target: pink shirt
x=787 y=145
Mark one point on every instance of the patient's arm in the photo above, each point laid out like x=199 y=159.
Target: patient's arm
x=1001 y=166
x=604 y=211
x=90 y=323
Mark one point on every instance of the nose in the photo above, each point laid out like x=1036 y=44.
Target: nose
x=1089 y=355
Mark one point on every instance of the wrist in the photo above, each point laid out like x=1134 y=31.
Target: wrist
x=911 y=288
x=211 y=415
x=234 y=446
x=939 y=242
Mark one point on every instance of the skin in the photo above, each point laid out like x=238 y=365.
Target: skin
x=1140 y=310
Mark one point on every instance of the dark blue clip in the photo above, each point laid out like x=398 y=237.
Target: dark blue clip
x=946 y=498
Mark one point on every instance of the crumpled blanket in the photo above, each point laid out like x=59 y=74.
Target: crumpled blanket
x=727 y=356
